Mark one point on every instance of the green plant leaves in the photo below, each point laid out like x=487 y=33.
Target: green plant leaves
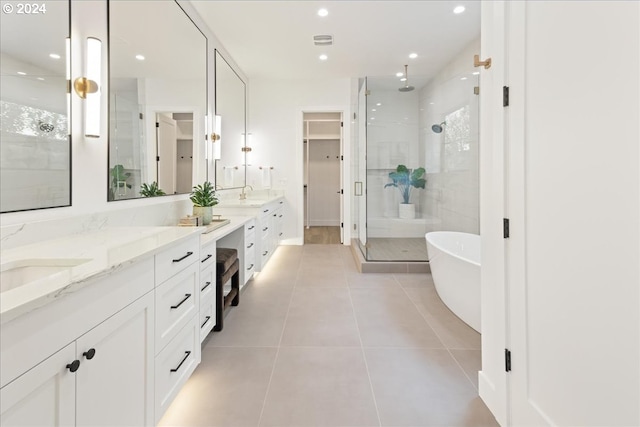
x=151 y=190
x=403 y=179
x=204 y=195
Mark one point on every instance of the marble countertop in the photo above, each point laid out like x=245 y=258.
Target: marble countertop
x=97 y=254
x=235 y=222
x=249 y=202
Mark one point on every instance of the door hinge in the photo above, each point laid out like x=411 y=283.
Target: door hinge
x=342 y=225
x=157 y=124
x=354 y=116
x=505 y=96
x=341 y=157
x=341 y=124
x=141 y=116
x=157 y=158
x=505 y=228
x=341 y=191
x=355 y=227
x=476 y=90
x=507 y=360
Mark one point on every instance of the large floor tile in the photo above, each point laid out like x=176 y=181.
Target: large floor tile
x=322 y=276
x=415 y=280
x=471 y=363
x=319 y=387
x=387 y=318
x=321 y=317
x=227 y=389
x=453 y=332
x=358 y=280
x=423 y=387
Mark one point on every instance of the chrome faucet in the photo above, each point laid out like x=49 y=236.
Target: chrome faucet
x=243 y=195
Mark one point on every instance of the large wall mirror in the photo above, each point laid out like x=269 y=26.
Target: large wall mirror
x=231 y=106
x=157 y=100
x=35 y=148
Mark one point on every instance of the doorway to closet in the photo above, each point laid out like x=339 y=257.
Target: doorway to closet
x=323 y=190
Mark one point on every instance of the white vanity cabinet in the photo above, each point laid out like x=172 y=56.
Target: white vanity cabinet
x=83 y=359
x=270 y=221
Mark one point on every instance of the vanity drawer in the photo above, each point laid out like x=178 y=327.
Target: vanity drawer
x=208 y=255
x=175 y=364
x=208 y=283
x=207 y=317
x=177 y=258
x=249 y=227
x=249 y=241
x=249 y=263
x=177 y=301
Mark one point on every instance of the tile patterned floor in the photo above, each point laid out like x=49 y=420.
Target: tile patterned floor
x=315 y=343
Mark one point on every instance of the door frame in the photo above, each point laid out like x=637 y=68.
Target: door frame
x=345 y=170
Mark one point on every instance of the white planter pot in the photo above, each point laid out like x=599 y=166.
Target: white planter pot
x=206 y=212
x=407 y=211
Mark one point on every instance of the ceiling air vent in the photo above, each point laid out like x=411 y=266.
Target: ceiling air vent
x=323 y=40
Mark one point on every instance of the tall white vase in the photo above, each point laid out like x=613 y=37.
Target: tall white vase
x=407 y=210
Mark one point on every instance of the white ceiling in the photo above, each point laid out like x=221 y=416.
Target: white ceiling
x=274 y=39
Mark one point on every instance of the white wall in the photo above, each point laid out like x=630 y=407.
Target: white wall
x=275 y=112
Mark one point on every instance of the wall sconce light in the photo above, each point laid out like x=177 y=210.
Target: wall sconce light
x=246 y=148
x=216 y=137
x=88 y=88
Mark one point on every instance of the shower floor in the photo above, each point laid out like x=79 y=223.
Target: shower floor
x=396 y=249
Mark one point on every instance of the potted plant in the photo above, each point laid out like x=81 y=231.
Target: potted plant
x=119 y=181
x=151 y=190
x=204 y=199
x=404 y=179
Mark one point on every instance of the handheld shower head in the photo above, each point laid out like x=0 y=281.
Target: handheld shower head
x=438 y=128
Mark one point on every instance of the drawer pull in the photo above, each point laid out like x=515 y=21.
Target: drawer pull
x=186 y=297
x=280 y=234
x=186 y=355
x=205 y=322
x=180 y=259
x=250 y=267
x=265 y=211
x=89 y=353
x=280 y=216
x=250 y=246
x=207 y=257
x=252 y=227
x=265 y=229
x=281 y=202
x=73 y=366
x=265 y=253
x=205 y=286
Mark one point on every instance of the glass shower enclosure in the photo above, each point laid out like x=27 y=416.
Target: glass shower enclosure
x=435 y=127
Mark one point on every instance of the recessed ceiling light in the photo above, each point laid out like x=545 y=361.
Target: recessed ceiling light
x=323 y=57
x=54 y=56
x=379 y=104
x=463 y=78
x=459 y=9
x=41 y=78
x=413 y=55
x=323 y=12
x=404 y=79
x=399 y=74
x=140 y=57
x=432 y=103
x=22 y=73
x=373 y=109
x=475 y=73
x=373 y=118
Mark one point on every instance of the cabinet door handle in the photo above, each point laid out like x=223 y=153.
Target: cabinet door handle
x=280 y=216
x=280 y=234
x=281 y=202
x=265 y=229
x=205 y=286
x=252 y=227
x=250 y=267
x=89 y=353
x=186 y=355
x=250 y=246
x=73 y=366
x=265 y=253
x=180 y=259
x=205 y=322
x=265 y=211
x=207 y=257
x=186 y=297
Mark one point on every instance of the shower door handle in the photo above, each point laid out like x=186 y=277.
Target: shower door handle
x=357 y=190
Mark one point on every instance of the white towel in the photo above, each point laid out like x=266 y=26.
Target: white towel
x=266 y=178
x=228 y=177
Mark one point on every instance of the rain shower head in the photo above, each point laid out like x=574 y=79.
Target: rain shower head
x=406 y=87
x=438 y=128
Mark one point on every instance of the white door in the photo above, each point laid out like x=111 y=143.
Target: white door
x=573 y=204
x=115 y=379
x=44 y=395
x=324 y=182
x=167 y=152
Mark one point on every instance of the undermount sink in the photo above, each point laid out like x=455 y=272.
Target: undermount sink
x=17 y=273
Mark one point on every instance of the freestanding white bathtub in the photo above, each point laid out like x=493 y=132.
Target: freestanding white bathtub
x=454 y=259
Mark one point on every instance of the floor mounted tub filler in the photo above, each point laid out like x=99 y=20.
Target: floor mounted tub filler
x=454 y=259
